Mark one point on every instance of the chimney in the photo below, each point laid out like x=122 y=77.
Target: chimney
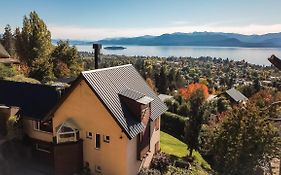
x=97 y=48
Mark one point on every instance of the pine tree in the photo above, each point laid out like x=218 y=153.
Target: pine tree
x=8 y=40
x=163 y=81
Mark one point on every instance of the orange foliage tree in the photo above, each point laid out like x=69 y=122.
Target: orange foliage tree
x=191 y=88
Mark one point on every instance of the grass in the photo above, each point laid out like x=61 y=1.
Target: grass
x=172 y=146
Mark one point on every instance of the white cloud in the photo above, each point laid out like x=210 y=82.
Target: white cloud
x=83 y=33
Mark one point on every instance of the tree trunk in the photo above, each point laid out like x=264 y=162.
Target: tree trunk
x=190 y=152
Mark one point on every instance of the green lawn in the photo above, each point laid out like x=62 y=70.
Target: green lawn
x=173 y=146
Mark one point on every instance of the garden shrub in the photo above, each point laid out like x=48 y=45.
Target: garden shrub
x=146 y=171
x=181 y=164
x=172 y=170
x=160 y=161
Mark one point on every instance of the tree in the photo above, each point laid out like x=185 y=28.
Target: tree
x=180 y=82
x=151 y=84
x=222 y=104
x=8 y=40
x=34 y=47
x=191 y=88
x=163 y=81
x=184 y=110
x=66 y=60
x=245 y=140
x=194 y=124
x=6 y=71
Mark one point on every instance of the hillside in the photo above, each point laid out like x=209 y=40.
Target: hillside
x=200 y=39
x=177 y=149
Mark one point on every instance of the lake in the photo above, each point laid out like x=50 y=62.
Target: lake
x=251 y=55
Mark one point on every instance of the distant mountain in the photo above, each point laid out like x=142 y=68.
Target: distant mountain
x=200 y=39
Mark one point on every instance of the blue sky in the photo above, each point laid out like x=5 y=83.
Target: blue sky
x=96 y=19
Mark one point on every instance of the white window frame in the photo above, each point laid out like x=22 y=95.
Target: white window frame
x=41 y=149
x=98 y=169
x=88 y=135
x=105 y=138
x=36 y=125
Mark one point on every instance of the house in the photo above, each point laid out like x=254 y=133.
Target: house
x=234 y=96
x=108 y=119
x=5 y=57
x=164 y=97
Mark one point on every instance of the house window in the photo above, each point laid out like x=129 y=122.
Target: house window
x=43 y=126
x=43 y=148
x=157 y=147
x=36 y=125
x=89 y=135
x=106 y=139
x=97 y=141
x=157 y=124
x=98 y=169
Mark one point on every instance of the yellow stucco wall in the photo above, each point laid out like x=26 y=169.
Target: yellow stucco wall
x=91 y=116
x=28 y=126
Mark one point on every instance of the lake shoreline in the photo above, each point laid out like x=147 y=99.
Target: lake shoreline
x=256 y=56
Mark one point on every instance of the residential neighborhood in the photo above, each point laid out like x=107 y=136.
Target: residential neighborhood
x=173 y=88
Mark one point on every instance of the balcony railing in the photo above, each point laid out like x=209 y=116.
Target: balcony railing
x=67 y=137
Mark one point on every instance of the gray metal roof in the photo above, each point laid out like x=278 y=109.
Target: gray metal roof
x=132 y=94
x=108 y=83
x=236 y=95
x=165 y=97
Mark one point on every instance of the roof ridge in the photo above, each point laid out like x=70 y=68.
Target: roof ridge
x=107 y=68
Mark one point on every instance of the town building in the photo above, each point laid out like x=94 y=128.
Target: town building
x=108 y=119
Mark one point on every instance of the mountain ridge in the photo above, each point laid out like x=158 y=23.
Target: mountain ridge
x=194 y=39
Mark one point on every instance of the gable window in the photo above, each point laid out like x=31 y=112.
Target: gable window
x=89 y=135
x=97 y=141
x=106 y=139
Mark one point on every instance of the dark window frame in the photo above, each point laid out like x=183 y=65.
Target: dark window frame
x=98 y=141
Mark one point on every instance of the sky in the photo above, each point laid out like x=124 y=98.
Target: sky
x=98 y=19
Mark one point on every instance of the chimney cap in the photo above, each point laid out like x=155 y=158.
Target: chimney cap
x=97 y=46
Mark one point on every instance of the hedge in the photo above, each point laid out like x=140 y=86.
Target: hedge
x=173 y=124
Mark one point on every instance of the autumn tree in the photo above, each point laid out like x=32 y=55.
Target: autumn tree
x=66 y=60
x=34 y=47
x=245 y=139
x=194 y=124
x=191 y=88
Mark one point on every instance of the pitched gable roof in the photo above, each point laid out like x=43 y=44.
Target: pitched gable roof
x=3 y=52
x=108 y=83
x=132 y=94
x=236 y=95
x=34 y=100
